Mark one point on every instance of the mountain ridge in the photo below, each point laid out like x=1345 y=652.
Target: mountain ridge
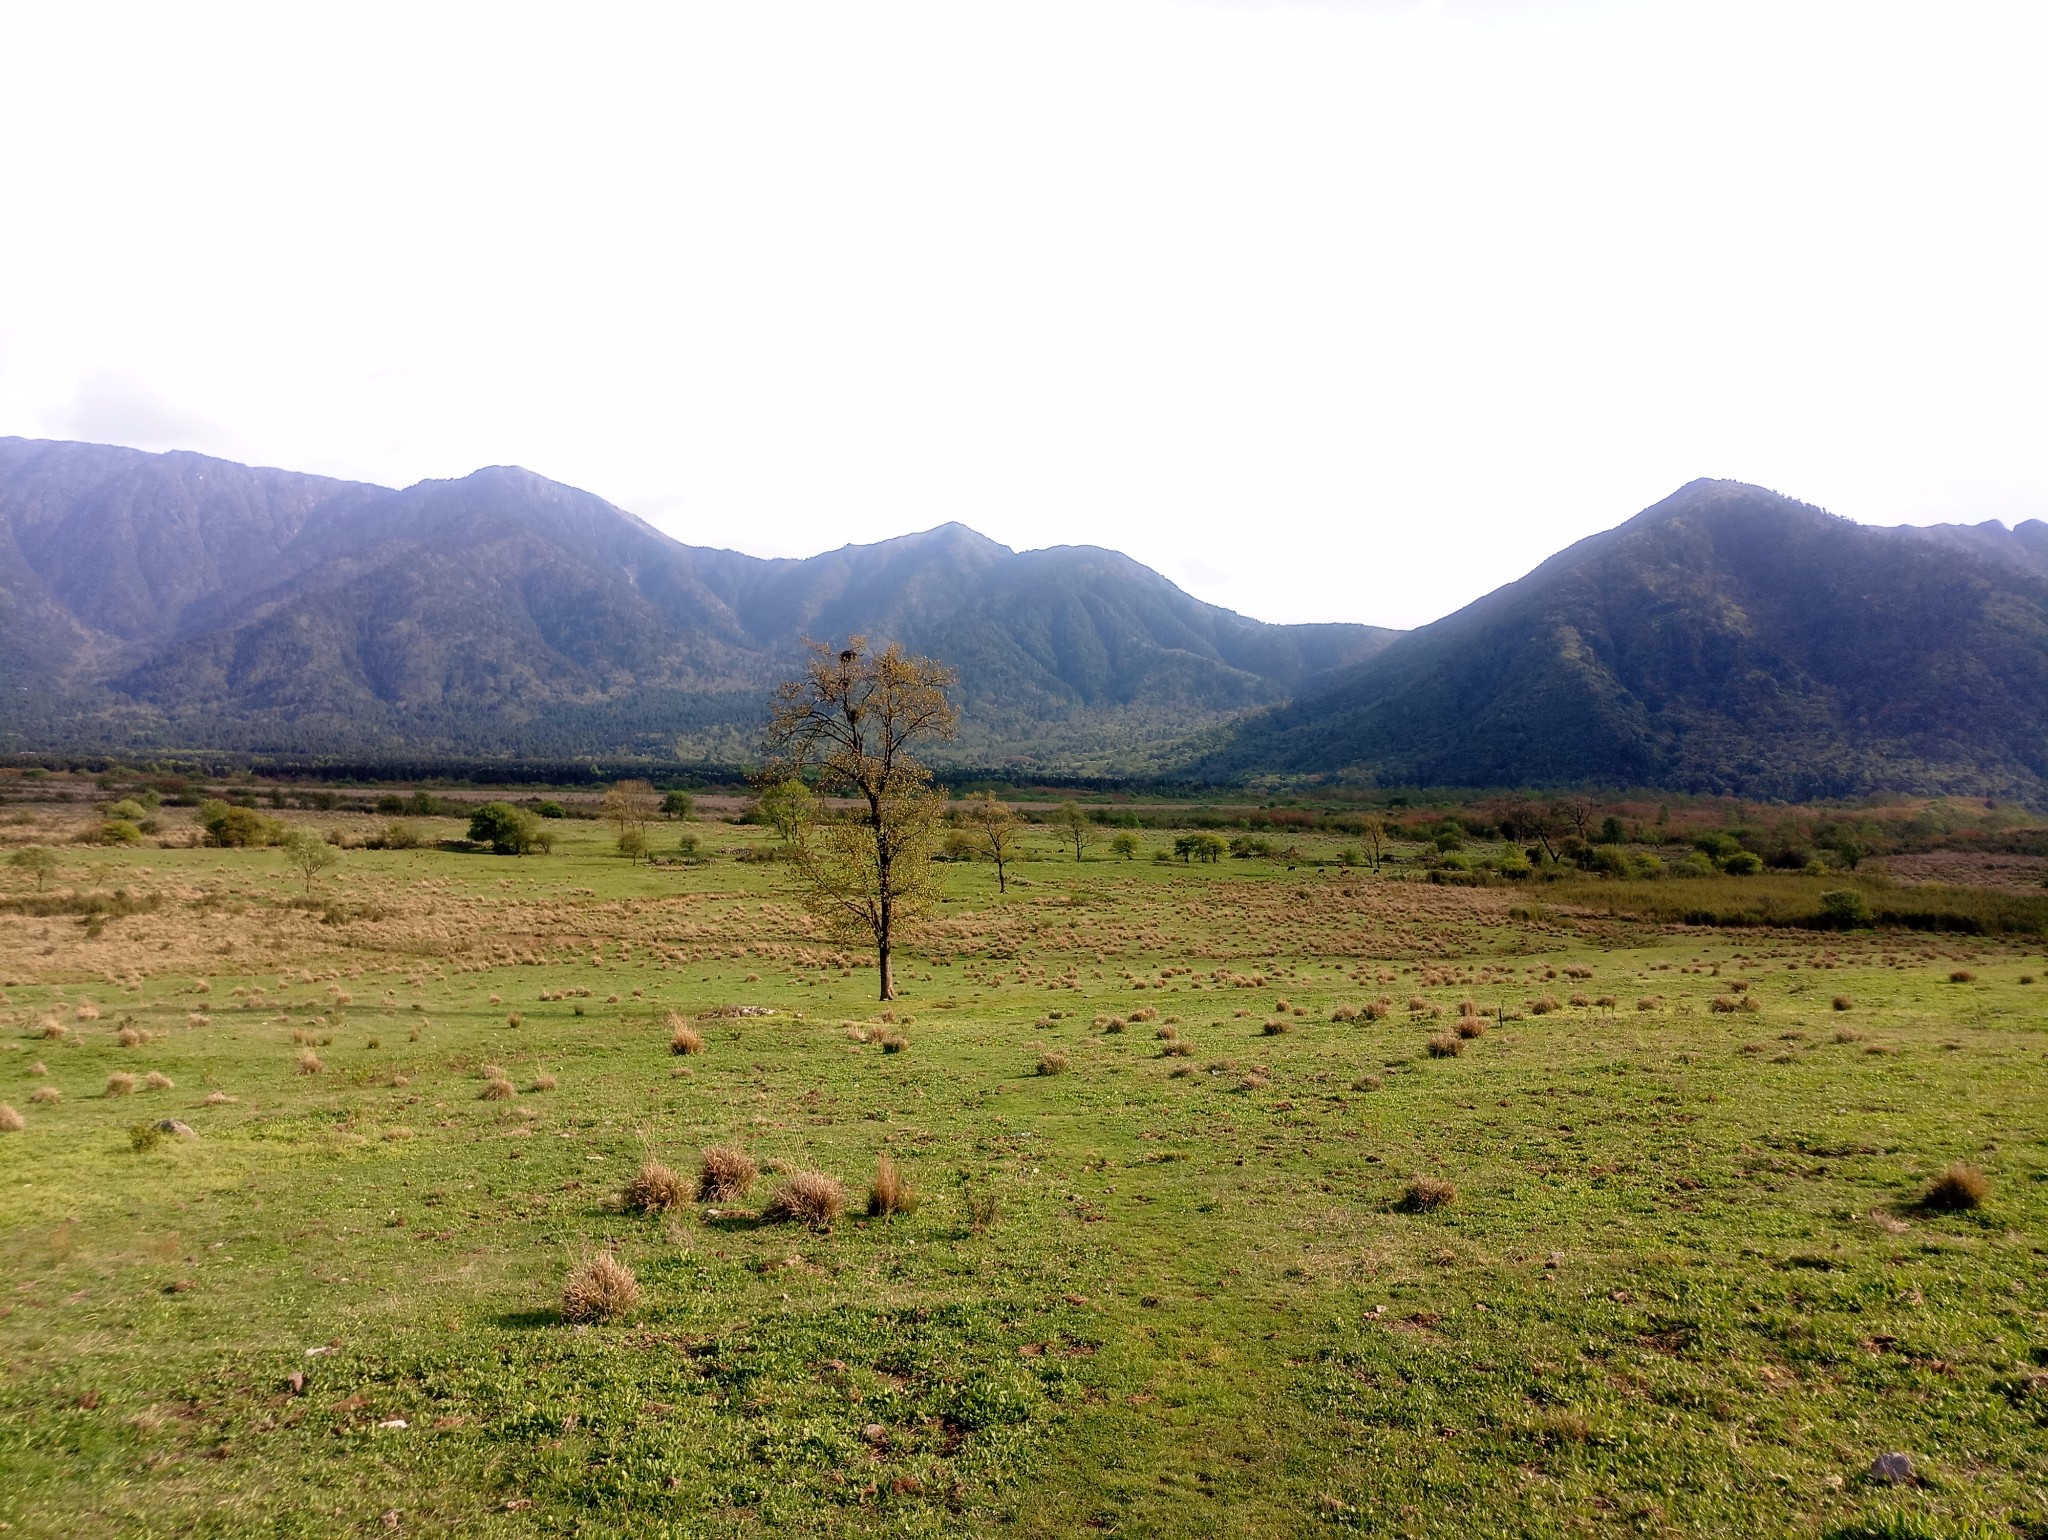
x=179 y=598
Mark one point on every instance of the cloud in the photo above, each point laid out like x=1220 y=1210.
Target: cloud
x=112 y=408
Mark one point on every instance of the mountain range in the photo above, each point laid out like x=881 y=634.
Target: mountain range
x=1727 y=639
x=174 y=600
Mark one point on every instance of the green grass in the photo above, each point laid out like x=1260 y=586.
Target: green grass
x=1794 y=900
x=1685 y=1287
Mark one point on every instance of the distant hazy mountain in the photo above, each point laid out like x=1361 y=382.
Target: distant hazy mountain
x=181 y=601
x=1727 y=639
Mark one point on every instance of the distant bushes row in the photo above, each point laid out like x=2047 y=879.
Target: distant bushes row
x=1812 y=903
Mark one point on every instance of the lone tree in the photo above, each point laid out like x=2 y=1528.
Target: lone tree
x=995 y=829
x=1374 y=833
x=787 y=807
x=309 y=855
x=1074 y=826
x=678 y=804
x=849 y=723
x=37 y=859
x=629 y=805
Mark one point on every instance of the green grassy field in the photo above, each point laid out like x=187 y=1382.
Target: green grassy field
x=1685 y=1287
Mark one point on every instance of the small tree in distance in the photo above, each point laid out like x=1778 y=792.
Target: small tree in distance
x=37 y=860
x=629 y=805
x=1074 y=826
x=787 y=807
x=995 y=826
x=1125 y=844
x=309 y=855
x=678 y=804
x=850 y=721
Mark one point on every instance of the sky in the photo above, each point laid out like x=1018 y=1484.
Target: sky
x=1327 y=309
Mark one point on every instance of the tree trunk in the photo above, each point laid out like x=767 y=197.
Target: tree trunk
x=1003 y=885
x=882 y=967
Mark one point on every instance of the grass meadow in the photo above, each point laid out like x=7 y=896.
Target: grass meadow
x=1217 y=1210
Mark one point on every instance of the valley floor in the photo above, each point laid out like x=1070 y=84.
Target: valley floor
x=1166 y=1277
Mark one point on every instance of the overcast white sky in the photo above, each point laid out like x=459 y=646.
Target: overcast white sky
x=1328 y=310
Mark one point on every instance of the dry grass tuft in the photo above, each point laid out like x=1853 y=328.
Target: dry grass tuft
x=1962 y=976
x=1276 y=1026
x=543 y=1082
x=1848 y=1035
x=512 y=1018
x=1446 y=1045
x=39 y=1068
x=809 y=1197
x=1470 y=1026
x=1424 y=1194
x=726 y=1174
x=1369 y=1083
x=122 y=1084
x=46 y=1095
x=889 y=1193
x=1176 y=1048
x=1544 y=1005
x=157 y=1080
x=53 y=1029
x=127 y=1037
x=218 y=1098
x=1843 y=1003
x=1959 y=1187
x=11 y=1122
x=655 y=1189
x=601 y=1289
x=684 y=1038
x=1052 y=1064
x=497 y=1089
x=307 y=1063
x=894 y=1042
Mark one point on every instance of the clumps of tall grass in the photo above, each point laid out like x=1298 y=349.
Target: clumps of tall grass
x=307 y=1063
x=1956 y=1189
x=893 y=1041
x=543 y=1082
x=1426 y=1194
x=599 y=1289
x=1446 y=1045
x=46 y=1096
x=808 y=1197
x=683 y=1039
x=128 y=1037
x=497 y=1087
x=157 y=1080
x=726 y=1174
x=12 y=1122
x=890 y=1193
x=1469 y=1027
x=654 y=1189
x=1843 y=1003
x=121 y=1084
x=1054 y=1063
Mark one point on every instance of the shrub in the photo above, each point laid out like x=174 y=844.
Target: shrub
x=1959 y=1187
x=144 y=1137
x=726 y=1174
x=1470 y=1026
x=1744 y=863
x=1544 y=1005
x=497 y=1089
x=127 y=1037
x=983 y=1210
x=654 y=1189
x=1843 y=1003
x=894 y=1042
x=1446 y=1045
x=1847 y=908
x=122 y=1084
x=600 y=1289
x=157 y=1080
x=1277 y=1026
x=808 y=1197
x=12 y=1122
x=543 y=1082
x=1427 y=1193
x=1052 y=1064
x=889 y=1193
x=307 y=1063
x=1369 y=1083
x=1176 y=1048
x=683 y=1038
x=1962 y=976
x=46 y=1095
